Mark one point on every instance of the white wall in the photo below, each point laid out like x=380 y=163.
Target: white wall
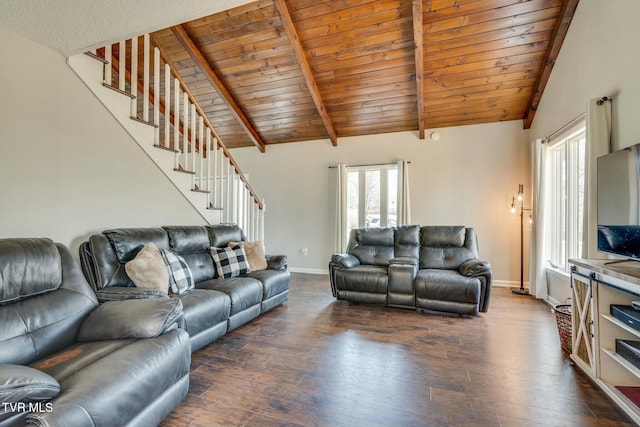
x=67 y=169
x=599 y=57
x=466 y=178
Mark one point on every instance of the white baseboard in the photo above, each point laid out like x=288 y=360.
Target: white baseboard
x=308 y=270
x=507 y=284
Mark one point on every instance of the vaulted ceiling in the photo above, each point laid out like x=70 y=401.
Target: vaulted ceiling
x=276 y=71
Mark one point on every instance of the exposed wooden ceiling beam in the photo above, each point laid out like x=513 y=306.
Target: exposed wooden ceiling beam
x=559 y=33
x=298 y=51
x=418 y=39
x=185 y=88
x=217 y=83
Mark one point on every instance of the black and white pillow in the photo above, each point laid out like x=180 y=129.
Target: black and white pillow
x=180 y=276
x=230 y=262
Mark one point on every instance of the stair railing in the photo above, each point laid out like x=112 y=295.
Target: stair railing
x=161 y=98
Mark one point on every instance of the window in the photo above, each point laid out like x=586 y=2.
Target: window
x=372 y=196
x=566 y=159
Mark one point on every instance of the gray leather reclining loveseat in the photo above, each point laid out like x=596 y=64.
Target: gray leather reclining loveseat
x=432 y=268
x=67 y=362
x=216 y=305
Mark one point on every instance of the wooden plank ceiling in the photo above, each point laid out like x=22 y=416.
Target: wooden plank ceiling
x=277 y=71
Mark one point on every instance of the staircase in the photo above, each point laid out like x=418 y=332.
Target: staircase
x=139 y=86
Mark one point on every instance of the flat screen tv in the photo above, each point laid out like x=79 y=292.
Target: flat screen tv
x=618 y=192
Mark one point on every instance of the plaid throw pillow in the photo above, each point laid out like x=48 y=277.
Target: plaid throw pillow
x=180 y=276
x=230 y=262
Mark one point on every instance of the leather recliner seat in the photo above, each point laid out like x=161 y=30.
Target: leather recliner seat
x=216 y=305
x=66 y=361
x=432 y=268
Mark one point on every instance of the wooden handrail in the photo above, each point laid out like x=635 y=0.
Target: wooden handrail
x=207 y=123
x=115 y=65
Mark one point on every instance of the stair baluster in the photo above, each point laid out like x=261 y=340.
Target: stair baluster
x=194 y=140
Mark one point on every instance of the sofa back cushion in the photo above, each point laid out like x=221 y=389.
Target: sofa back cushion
x=373 y=246
x=406 y=241
x=220 y=235
x=446 y=247
x=192 y=243
x=127 y=242
x=111 y=250
x=29 y=267
x=46 y=299
x=106 y=270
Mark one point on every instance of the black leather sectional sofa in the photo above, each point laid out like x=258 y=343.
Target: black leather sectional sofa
x=432 y=268
x=66 y=361
x=217 y=305
x=115 y=355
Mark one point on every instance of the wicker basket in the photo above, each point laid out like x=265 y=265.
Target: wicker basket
x=563 y=320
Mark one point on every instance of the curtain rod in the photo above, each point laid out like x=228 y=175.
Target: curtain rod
x=368 y=164
x=563 y=128
x=573 y=122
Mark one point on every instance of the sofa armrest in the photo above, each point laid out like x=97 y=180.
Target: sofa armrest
x=276 y=262
x=404 y=260
x=337 y=262
x=20 y=383
x=345 y=260
x=134 y=318
x=401 y=275
x=474 y=267
x=121 y=293
x=482 y=271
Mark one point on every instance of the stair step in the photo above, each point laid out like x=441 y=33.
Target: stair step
x=109 y=86
x=197 y=189
x=183 y=170
x=91 y=67
x=96 y=57
x=162 y=147
x=139 y=120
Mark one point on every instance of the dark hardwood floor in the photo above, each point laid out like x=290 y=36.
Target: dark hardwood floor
x=316 y=361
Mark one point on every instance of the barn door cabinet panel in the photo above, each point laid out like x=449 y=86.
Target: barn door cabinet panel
x=582 y=322
x=596 y=286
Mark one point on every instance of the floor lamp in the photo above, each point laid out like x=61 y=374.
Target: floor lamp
x=517 y=202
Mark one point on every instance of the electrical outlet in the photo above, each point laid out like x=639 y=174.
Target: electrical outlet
x=304 y=251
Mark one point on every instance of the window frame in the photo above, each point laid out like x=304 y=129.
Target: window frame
x=566 y=166
x=384 y=213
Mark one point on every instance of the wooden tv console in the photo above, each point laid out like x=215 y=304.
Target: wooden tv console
x=595 y=285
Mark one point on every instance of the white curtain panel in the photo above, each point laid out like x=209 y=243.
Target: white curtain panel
x=598 y=144
x=341 y=209
x=537 y=256
x=404 y=207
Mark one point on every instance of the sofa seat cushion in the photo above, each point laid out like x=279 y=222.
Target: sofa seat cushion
x=363 y=278
x=274 y=282
x=447 y=285
x=245 y=292
x=113 y=389
x=67 y=362
x=204 y=308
